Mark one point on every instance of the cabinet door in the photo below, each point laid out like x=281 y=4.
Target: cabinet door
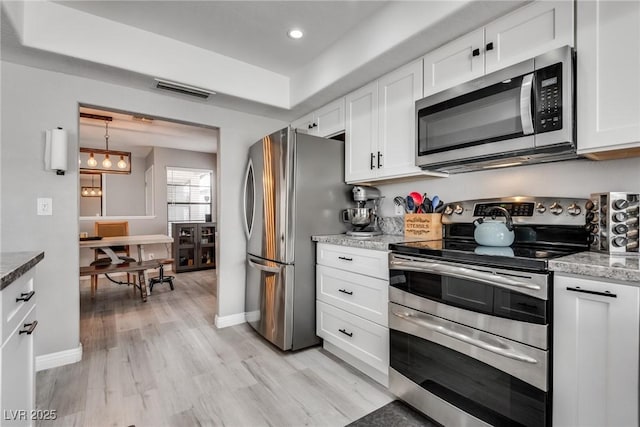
x=18 y=376
x=529 y=31
x=304 y=124
x=608 y=66
x=454 y=63
x=361 y=139
x=329 y=120
x=596 y=330
x=397 y=93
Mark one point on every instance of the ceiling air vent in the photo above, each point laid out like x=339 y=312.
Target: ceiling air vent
x=183 y=89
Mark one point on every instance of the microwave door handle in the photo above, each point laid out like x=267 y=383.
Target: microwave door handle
x=526 y=114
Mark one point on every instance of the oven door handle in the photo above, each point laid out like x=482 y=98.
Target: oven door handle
x=440 y=327
x=460 y=272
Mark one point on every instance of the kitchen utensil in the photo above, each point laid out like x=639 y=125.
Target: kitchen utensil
x=411 y=206
x=494 y=232
x=434 y=202
x=426 y=205
x=440 y=207
x=417 y=198
x=400 y=201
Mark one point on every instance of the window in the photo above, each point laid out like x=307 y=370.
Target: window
x=188 y=195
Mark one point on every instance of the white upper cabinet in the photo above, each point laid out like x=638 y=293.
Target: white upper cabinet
x=361 y=139
x=608 y=83
x=397 y=93
x=456 y=62
x=524 y=33
x=380 y=138
x=326 y=121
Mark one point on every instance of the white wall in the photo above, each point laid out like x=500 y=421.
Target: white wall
x=575 y=178
x=34 y=100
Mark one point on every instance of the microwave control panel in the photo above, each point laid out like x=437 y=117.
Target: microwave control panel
x=548 y=91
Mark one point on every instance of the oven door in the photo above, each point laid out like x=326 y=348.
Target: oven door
x=462 y=376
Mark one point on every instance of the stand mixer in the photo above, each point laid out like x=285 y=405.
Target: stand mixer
x=364 y=219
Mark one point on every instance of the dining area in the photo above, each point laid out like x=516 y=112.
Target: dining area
x=112 y=246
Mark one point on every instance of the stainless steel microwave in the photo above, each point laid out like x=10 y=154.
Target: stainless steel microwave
x=522 y=114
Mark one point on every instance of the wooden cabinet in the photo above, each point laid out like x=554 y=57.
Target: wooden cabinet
x=596 y=350
x=524 y=33
x=608 y=87
x=194 y=246
x=380 y=135
x=17 y=359
x=326 y=121
x=352 y=287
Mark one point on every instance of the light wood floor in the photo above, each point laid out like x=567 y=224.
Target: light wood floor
x=163 y=363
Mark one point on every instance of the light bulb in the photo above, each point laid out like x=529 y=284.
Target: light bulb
x=85 y=192
x=79 y=161
x=106 y=163
x=99 y=192
x=93 y=192
x=122 y=164
x=92 y=162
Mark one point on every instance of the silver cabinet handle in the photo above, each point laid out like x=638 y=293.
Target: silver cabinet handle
x=587 y=291
x=25 y=296
x=461 y=272
x=441 y=328
x=257 y=265
x=526 y=116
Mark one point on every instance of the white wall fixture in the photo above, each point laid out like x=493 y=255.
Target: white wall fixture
x=55 y=151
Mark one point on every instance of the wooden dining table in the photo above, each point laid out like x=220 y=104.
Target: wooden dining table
x=118 y=264
x=106 y=243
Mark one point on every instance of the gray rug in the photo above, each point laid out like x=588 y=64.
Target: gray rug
x=394 y=414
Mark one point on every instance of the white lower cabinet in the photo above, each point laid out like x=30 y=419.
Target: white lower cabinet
x=596 y=352
x=352 y=295
x=17 y=362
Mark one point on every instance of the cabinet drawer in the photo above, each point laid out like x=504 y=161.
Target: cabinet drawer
x=13 y=311
x=17 y=375
x=364 y=296
x=361 y=338
x=364 y=261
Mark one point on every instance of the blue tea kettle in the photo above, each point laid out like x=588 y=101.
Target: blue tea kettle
x=494 y=232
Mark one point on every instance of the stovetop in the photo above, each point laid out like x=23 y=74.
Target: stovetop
x=531 y=257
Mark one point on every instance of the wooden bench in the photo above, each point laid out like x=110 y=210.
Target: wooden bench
x=125 y=267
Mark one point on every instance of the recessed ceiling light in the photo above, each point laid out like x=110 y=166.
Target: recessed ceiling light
x=295 y=33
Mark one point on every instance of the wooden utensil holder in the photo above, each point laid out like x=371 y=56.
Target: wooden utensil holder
x=427 y=226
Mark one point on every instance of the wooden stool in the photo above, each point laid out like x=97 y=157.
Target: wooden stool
x=162 y=278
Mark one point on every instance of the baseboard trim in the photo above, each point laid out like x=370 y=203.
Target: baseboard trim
x=231 y=320
x=60 y=358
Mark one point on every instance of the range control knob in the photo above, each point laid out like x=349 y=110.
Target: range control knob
x=555 y=208
x=620 y=204
x=574 y=209
x=590 y=205
x=540 y=208
x=619 y=242
x=619 y=217
x=448 y=210
x=620 y=229
x=458 y=210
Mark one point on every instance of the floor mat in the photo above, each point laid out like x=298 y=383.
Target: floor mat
x=394 y=414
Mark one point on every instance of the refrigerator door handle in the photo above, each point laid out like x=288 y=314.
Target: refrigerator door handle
x=249 y=180
x=255 y=263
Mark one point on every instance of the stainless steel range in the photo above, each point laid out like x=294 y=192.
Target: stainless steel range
x=470 y=326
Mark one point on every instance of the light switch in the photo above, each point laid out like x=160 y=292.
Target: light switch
x=45 y=206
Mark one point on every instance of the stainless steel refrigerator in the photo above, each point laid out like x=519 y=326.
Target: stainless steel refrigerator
x=294 y=188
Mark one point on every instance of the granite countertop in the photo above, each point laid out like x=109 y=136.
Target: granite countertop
x=380 y=243
x=601 y=265
x=15 y=264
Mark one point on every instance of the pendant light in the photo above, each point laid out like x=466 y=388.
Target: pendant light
x=106 y=165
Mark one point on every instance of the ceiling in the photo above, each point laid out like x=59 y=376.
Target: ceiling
x=239 y=49
x=138 y=134
x=254 y=32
